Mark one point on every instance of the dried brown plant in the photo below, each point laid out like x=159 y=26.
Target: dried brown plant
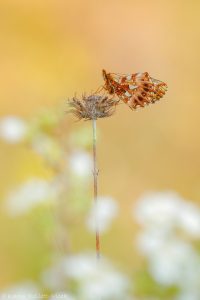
x=92 y=107
x=137 y=90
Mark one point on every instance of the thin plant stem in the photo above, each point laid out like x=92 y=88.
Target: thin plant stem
x=95 y=176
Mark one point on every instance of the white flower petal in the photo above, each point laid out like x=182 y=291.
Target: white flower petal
x=105 y=286
x=190 y=219
x=80 y=266
x=12 y=129
x=150 y=240
x=81 y=164
x=169 y=222
x=175 y=263
x=102 y=213
x=95 y=279
x=28 y=195
x=158 y=208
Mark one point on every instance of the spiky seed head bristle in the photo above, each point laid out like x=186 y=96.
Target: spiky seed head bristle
x=92 y=107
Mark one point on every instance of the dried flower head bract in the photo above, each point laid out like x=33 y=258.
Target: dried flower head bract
x=92 y=107
x=137 y=90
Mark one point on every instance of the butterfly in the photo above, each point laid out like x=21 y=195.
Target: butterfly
x=136 y=90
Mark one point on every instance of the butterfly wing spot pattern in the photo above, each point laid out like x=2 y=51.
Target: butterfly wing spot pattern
x=136 y=90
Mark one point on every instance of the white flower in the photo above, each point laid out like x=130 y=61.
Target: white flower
x=12 y=129
x=189 y=219
x=175 y=263
x=105 y=286
x=168 y=222
x=79 y=266
x=168 y=210
x=96 y=279
x=28 y=195
x=81 y=163
x=76 y=267
x=24 y=291
x=102 y=213
x=151 y=240
x=158 y=209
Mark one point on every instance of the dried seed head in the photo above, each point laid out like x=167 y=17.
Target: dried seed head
x=92 y=107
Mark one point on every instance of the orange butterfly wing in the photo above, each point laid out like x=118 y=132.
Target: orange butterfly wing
x=136 y=90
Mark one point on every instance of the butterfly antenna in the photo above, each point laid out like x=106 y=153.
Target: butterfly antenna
x=98 y=90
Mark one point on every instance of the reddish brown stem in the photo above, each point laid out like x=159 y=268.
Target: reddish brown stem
x=95 y=176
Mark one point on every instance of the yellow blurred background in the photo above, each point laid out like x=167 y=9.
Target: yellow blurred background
x=53 y=49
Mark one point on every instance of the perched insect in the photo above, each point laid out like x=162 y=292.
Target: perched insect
x=137 y=90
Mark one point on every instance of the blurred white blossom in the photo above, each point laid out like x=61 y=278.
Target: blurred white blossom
x=159 y=209
x=151 y=240
x=23 y=291
x=12 y=129
x=104 y=285
x=28 y=195
x=103 y=212
x=174 y=263
x=95 y=280
x=189 y=219
x=80 y=163
x=168 y=210
x=80 y=266
x=169 y=225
